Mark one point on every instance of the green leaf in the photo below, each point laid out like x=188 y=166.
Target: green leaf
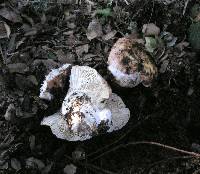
x=52 y=55
x=151 y=44
x=104 y=12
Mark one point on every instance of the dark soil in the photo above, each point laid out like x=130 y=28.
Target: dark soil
x=46 y=35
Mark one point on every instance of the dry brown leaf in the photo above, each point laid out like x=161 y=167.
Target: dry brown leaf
x=150 y=30
x=109 y=35
x=94 y=29
x=82 y=49
x=4 y=30
x=10 y=15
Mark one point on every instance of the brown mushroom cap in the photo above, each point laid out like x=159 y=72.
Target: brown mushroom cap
x=130 y=63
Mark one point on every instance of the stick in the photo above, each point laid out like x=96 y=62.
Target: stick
x=197 y=155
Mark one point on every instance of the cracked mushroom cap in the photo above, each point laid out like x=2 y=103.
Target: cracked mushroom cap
x=88 y=109
x=56 y=79
x=83 y=120
x=130 y=64
x=89 y=81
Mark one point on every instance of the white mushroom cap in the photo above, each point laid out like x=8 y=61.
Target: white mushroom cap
x=88 y=108
x=59 y=127
x=89 y=81
x=120 y=113
x=123 y=79
x=116 y=115
x=54 y=80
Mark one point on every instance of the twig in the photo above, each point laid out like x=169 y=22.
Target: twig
x=185 y=7
x=127 y=3
x=197 y=155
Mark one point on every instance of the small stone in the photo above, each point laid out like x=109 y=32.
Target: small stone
x=70 y=169
x=10 y=113
x=18 y=68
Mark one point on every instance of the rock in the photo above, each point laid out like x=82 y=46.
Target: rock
x=10 y=113
x=94 y=29
x=70 y=169
x=18 y=68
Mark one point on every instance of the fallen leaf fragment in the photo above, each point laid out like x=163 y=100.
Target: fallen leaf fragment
x=10 y=15
x=15 y=164
x=150 y=29
x=70 y=169
x=4 y=30
x=110 y=35
x=94 y=29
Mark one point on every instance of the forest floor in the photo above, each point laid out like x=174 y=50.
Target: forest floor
x=45 y=35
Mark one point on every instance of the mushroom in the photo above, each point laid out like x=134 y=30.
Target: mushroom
x=54 y=80
x=88 y=109
x=130 y=63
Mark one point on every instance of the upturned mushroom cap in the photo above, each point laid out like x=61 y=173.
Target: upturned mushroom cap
x=54 y=80
x=130 y=64
x=85 y=120
x=119 y=112
x=89 y=81
x=88 y=109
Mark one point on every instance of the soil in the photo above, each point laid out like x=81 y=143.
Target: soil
x=47 y=35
